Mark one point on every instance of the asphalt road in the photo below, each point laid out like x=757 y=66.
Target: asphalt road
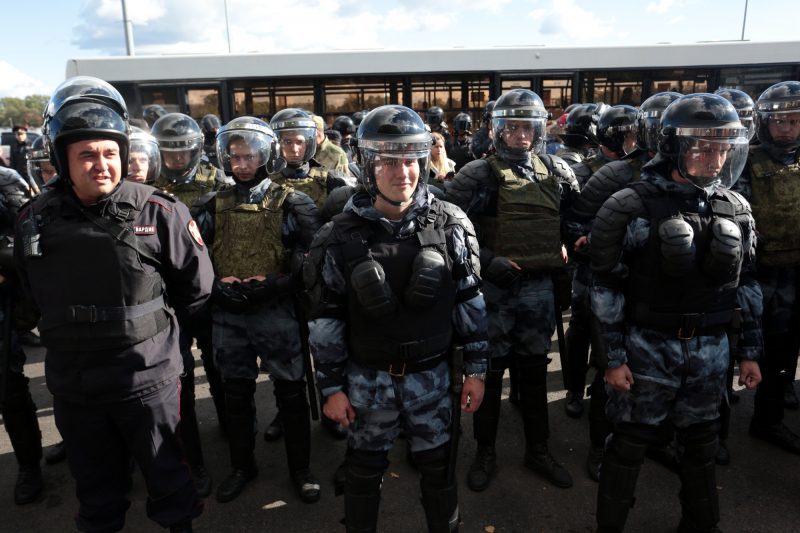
x=759 y=491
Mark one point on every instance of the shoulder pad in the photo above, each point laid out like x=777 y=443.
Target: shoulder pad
x=299 y=200
x=571 y=158
x=455 y=216
x=336 y=200
x=164 y=195
x=610 y=226
x=472 y=177
x=611 y=177
x=582 y=171
x=558 y=168
x=307 y=213
x=739 y=202
x=335 y=180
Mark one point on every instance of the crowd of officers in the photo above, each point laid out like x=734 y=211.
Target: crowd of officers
x=394 y=298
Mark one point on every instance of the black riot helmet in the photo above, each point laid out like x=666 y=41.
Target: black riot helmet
x=40 y=169
x=744 y=106
x=344 y=125
x=703 y=138
x=487 y=111
x=144 y=162
x=616 y=129
x=151 y=113
x=85 y=108
x=434 y=116
x=462 y=123
x=358 y=116
x=297 y=135
x=247 y=148
x=779 y=105
x=519 y=112
x=210 y=124
x=580 y=128
x=648 y=119
x=181 y=143
x=392 y=132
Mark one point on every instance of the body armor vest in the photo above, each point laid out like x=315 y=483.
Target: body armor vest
x=695 y=299
x=117 y=300
x=527 y=226
x=775 y=200
x=409 y=334
x=204 y=181
x=315 y=184
x=247 y=239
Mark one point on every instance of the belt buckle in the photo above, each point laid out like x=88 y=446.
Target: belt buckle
x=682 y=337
x=396 y=374
x=688 y=322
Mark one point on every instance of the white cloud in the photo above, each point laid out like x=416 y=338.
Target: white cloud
x=14 y=82
x=660 y=7
x=563 y=18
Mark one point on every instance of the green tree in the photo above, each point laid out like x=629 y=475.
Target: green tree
x=26 y=110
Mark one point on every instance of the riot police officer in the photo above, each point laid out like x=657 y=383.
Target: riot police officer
x=745 y=107
x=109 y=264
x=580 y=133
x=434 y=118
x=151 y=113
x=144 y=162
x=347 y=128
x=258 y=232
x=770 y=183
x=664 y=296
x=457 y=147
x=394 y=281
x=520 y=249
x=40 y=169
x=481 y=143
x=616 y=133
x=210 y=124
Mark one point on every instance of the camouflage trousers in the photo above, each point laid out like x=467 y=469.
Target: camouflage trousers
x=270 y=333
x=418 y=404
x=521 y=318
x=682 y=381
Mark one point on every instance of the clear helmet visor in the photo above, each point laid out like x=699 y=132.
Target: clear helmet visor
x=242 y=153
x=180 y=159
x=515 y=138
x=712 y=161
x=781 y=129
x=144 y=161
x=41 y=170
x=388 y=169
x=297 y=145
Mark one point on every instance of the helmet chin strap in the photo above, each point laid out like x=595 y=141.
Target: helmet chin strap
x=389 y=200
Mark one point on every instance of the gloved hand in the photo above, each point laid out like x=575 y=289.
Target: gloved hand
x=229 y=296
x=502 y=271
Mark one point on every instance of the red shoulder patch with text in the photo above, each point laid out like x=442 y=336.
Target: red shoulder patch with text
x=194 y=231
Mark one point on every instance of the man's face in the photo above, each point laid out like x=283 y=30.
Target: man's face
x=784 y=128
x=47 y=170
x=177 y=160
x=293 y=147
x=244 y=160
x=21 y=135
x=396 y=178
x=95 y=168
x=519 y=134
x=629 y=144
x=706 y=158
x=138 y=165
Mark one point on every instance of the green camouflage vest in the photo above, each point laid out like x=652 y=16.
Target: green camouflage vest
x=205 y=180
x=315 y=184
x=527 y=228
x=247 y=240
x=775 y=200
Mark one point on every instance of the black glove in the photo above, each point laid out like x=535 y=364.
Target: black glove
x=501 y=273
x=229 y=296
x=273 y=287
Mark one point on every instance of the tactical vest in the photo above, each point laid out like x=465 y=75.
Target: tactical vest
x=527 y=226
x=595 y=162
x=117 y=299
x=408 y=335
x=204 y=181
x=247 y=237
x=315 y=184
x=775 y=200
x=693 y=303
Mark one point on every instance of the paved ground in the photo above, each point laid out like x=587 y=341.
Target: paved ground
x=759 y=492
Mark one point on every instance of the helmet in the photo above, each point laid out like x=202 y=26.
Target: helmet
x=487 y=111
x=702 y=136
x=181 y=143
x=580 y=127
x=358 y=116
x=462 y=123
x=513 y=108
x=288 y=124
x=744 y=106
x=392 y=132
x=85 y=108
x=434 y=116
x=210 y=124
x=616 y=126
x=144 y=151
x=245 y=145
x=40 y=169
x=779 y=104
x=344 y=125
x=648 y=120
x=151 y=113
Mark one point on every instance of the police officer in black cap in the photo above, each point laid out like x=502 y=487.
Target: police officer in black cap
x=109 y=264
x=458 y=146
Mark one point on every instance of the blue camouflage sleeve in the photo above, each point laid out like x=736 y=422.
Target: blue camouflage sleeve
x=750 y=300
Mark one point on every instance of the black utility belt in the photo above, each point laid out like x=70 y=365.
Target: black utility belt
x=685 y=325
x=399 y=368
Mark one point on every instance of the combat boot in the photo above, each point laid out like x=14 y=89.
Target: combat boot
x=574 y=404
x=29 y=484
x=362 y=497
x=621 y=464
x=790 y=400
x=241 y=440
x=594 y=462
x=56 y=454
x=293 y=406
x=698 y=496
x=539 y=459
x=482 y=470
x=778 y=434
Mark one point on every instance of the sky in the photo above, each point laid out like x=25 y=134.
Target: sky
x=37 y=41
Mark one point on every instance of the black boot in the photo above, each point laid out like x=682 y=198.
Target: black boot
x=56 y=453
x=484 y=427
x=482 y=469
x=293 y=406
x=621 y=464
x=533 y=398
x=577 y=345
x=439 y=498
x=362 y=497
x=29 y=484
x=699 y=501
x=241 y=441
x=22 y=425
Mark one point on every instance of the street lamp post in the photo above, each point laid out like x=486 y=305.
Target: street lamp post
x=128 y=29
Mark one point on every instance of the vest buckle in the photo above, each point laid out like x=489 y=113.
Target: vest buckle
x=397 y=373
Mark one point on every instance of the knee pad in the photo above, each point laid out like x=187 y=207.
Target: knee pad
x=291 y=396
x=367 y=461
x=432 y=465
x=700 y=441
